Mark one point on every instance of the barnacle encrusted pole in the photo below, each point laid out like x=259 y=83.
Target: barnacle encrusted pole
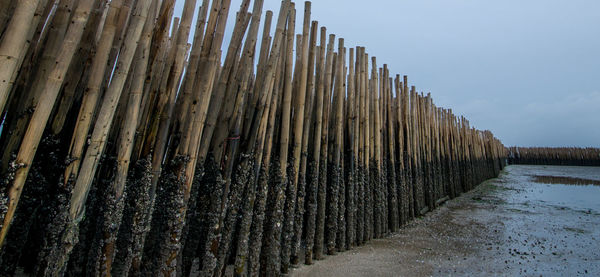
x=383 y=149
x=312 y=185
x=427 y=145
x=395 y=118
x=187 y=158
x=417 y=175
x=319 y=243
x=207 y=70
x=368 y=152
x=136 y=222
x=113 y=214
x=306 y=136
x=236 y=187
x=270 y=256
x=300 y=96
x=216 y=102
x=363 y=143
x=405 y=133
x=261 y=117
x=270 y=252
x=245 y=178
x=376 y=139
x=286 y=108
x=341 y=235
x=333 y=160
x=338 y=182
x=392 y=180
x=103 y=124
x=350 y=153
x=253 y=216
x=182 y=105
x=249 y=202
x=40 y=117
x=52 y=146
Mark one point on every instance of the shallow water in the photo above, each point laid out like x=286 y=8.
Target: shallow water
x=585 y=198
x=564 y=187
x=564 y=180
x=552 y=221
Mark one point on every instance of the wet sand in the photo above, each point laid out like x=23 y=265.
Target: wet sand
x=522 y=223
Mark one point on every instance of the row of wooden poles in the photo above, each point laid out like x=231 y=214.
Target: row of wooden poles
x=575 y=156
x=127 y=150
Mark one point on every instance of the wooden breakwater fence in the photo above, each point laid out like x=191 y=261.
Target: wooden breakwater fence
x=575 y=156
x=127 y=150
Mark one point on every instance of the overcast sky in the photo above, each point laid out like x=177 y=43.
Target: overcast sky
x=528 y=70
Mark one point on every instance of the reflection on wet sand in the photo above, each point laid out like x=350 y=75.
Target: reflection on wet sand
x=564 y=180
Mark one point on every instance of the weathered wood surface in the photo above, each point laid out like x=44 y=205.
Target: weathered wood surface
x=127 y=150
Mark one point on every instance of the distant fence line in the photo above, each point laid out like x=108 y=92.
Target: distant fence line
x=554 y=156
x=128 y=151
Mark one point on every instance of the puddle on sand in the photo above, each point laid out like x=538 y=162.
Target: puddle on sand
x=564 y=180
x=584 y=198
x=572 y=192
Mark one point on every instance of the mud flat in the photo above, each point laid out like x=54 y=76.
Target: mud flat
x=531 y=220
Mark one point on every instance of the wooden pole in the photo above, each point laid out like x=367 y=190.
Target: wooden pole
x=14 y=45
x=319 y=243
x=313 y=179
x=92 y=92
x=269 y=72
x=337 y=181
x=125 y=144
x=298 y=128
x=40 y=116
